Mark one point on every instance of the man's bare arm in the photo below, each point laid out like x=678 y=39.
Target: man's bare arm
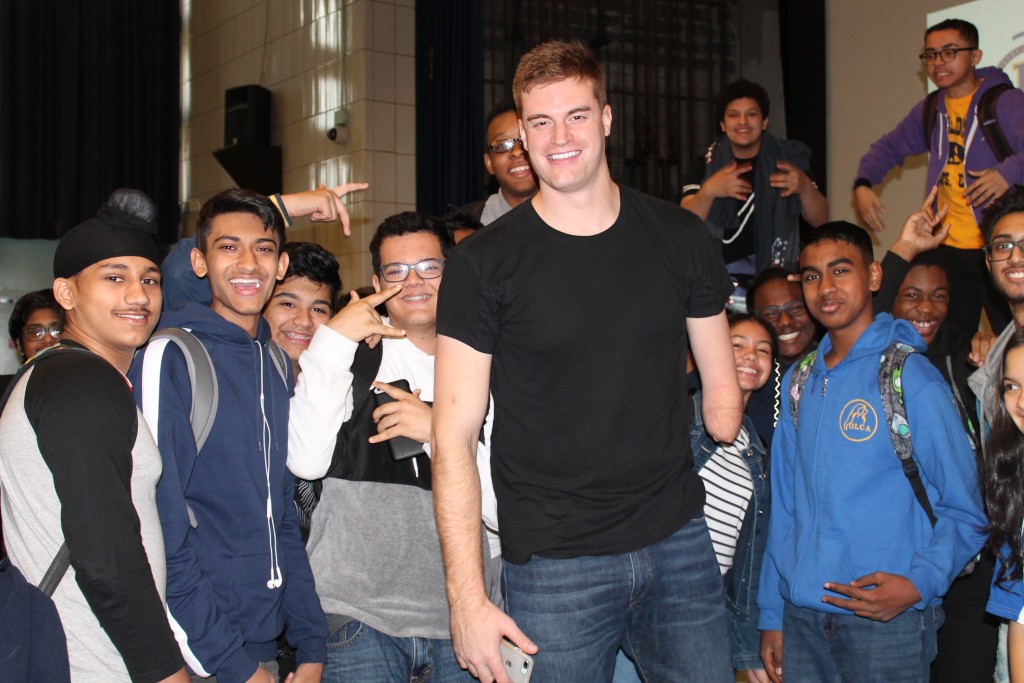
x=712 y=350
x=323 y=204
x=461 y=379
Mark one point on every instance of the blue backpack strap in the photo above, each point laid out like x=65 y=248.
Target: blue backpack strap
x=796 y=384
x=890 y=385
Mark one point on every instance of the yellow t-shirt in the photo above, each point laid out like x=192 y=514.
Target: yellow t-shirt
x=964 y=232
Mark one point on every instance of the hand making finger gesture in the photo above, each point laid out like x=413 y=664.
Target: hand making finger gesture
x=727 y=182
x=360 y=321
x=880 y=596
x=789 y=179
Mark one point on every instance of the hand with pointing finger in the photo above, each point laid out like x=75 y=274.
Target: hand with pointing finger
x=406 y=416
x=323 y=205
x=360 y=321
x=923 y=230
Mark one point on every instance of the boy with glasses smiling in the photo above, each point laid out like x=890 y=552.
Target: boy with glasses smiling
x=373 y=543
x=506 y=160
x=779 y=302
x=36 y=323
x=967 y=167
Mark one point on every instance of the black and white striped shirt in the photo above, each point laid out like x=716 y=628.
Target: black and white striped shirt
x=729 y=488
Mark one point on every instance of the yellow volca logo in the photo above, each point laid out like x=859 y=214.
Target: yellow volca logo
x=858 y=420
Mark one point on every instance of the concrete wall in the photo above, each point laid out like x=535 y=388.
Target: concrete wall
x=316 y=57
x=874 y=78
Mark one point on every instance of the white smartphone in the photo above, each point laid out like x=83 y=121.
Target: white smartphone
x=518 y=664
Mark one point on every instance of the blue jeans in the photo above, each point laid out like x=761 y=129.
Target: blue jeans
x=269 y=666
x=625 y=672
x=357 y=653
x=662 y=604
x=820 y=647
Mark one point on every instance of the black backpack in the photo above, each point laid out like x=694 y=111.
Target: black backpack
x=986 y=114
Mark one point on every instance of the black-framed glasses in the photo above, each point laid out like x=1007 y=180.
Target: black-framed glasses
x=945 y=55
x=1002 y=250
x=794 y=309
x=37 y=332
x=428 y=269
x=504 y=146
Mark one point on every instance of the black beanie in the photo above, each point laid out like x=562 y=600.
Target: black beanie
x=124 y=226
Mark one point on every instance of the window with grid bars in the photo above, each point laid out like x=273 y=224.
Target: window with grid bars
x=664 y=61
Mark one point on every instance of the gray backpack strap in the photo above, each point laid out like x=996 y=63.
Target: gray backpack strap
x=796 y=384
x=56 y=571
x=280 y=360
x=62 y=560
x=890 y=384
x=201 y=375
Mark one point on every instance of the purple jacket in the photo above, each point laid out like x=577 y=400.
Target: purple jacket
x=908 y=139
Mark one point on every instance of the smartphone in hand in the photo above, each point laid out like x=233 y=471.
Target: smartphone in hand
x=518 y=664
x=402 y=447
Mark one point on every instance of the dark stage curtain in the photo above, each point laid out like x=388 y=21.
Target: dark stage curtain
x=449 y=103
x=89 y=102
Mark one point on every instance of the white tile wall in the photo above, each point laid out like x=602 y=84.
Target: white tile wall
x=315 y=56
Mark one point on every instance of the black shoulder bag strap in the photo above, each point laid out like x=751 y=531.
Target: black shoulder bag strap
x=62 y=560
x=928 y=113
x=986 y=114
x=364 y=370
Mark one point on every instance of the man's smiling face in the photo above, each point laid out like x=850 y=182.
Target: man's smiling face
x=298 y=307
x=242 y=262
x=415 y=307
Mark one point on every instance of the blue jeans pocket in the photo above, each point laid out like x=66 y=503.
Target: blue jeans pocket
x=346 y=635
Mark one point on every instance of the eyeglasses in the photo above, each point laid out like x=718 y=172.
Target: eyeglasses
x=428 y=269
x=37 y=332
x=794 y=309
x=504 y=146
x=1001 y=251
x=945 y=55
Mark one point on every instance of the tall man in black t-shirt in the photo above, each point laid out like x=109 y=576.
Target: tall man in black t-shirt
x=575 y=309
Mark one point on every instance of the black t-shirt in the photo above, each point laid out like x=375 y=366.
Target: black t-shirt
x=590 y=445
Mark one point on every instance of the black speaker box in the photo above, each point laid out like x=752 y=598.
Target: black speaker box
x=246 y=116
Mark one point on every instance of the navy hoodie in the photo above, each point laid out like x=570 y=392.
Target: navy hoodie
x=223 y=597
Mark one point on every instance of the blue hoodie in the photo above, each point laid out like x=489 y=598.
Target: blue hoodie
x=225 y=615
x=842 y=507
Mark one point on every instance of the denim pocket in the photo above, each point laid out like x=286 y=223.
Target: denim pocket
x=345 y=635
